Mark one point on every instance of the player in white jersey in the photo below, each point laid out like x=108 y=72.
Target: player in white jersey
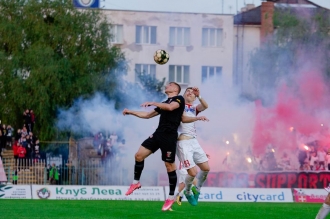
x=189 y=152
x=182 y=174
x=325 y=209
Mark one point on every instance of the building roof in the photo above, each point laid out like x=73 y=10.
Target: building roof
x=253 y=16
x=250 y=17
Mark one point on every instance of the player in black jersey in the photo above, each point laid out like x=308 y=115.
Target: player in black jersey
x=164 y=138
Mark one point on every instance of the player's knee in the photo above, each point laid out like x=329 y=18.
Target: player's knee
x=170 y=167
x=192 y=172
x=139 y=157
x=206 y=168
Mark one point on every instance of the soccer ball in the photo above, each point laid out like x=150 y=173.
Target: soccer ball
x=161 y=57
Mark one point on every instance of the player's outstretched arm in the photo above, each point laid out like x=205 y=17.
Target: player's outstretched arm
x=203 y=104
x=188 y=119
x=164 y=106
x=140 y=114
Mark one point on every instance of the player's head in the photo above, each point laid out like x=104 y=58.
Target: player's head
x=172 y=87
x=189 y=95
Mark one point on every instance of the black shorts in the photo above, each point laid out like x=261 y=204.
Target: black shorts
x=166 y=142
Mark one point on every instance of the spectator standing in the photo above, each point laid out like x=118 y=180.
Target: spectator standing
x=33 y=138
x=27 y=119
x=18 y=134
x=21 y=156
x=24 y=131
x=53 y=175
x=327 y=158
x=285 y=162
x=302 y=156
x=313 y=160
x=33 y=119
x=15 y=177
x=113 y=137
x=321 y=157
x=10 y=133
x=36 y=152
x=4 y=136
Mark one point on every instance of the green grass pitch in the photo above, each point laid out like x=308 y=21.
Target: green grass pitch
x=61 y=209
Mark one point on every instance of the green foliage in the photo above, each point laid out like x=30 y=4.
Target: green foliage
x=50 y=54
x=301 y=36
x=148 y=88
x=153 y=87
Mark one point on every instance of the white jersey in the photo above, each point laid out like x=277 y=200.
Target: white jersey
x=189 y=129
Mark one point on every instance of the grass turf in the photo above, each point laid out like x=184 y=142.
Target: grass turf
x=61 y=209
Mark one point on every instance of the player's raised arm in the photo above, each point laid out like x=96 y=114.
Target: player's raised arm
x=203 y=104
x=188 y=119
x=165 y=106
x=140 y=114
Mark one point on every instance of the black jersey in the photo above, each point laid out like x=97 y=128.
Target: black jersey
x=169 y=121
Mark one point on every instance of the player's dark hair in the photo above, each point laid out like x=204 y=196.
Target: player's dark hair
x=188 y=89
x=179 y=87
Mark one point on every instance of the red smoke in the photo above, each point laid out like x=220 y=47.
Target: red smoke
x=302 y=105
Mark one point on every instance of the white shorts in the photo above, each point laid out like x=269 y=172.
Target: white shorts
x=190 y=153
x=182 y=173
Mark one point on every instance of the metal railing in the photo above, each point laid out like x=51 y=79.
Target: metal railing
x=94 y=171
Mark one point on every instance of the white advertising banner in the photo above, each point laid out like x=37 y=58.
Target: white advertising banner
x=96 y=193
x=15 y=192
x=310 y=195
x=215 y=194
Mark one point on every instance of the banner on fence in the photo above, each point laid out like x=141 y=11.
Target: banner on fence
x=310 y=195
x=96 y=193
x=15 y=192
x=307 y=180
x=213 y=194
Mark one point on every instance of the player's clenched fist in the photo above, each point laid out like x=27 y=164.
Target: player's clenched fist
x=196 y=91
x=126 y=112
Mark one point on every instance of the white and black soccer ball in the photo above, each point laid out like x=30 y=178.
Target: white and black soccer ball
x=161 y=57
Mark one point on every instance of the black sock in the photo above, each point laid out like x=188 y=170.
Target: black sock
x=138 y=169
x=172 y=178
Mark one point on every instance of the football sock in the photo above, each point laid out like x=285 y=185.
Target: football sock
x=172 y=178
x=189 y=180
x=323 y=212
x=181 y=193
x=172 y=197
x=201 y=177
x=138 y=170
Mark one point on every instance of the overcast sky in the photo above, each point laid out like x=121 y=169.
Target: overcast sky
x=202 y=6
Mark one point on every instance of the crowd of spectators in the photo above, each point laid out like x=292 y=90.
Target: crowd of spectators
x=24 y=143
x=311 y=157
x=109 y=147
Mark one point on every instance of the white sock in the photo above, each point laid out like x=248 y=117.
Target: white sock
x=201 y=177
x=181 y=193
x=323 y=212
x=135 y=181
x=171 y=197
x=188 y=181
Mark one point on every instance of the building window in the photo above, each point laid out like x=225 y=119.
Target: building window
x=117 y=33
x=179 y=36
x=146 y=34
x=210 y=71
x=145 y=69
x=179 y=74
x=212 y=37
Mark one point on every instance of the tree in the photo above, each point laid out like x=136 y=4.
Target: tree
x=50 y=54
x=300 y=35
x=147 y=88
